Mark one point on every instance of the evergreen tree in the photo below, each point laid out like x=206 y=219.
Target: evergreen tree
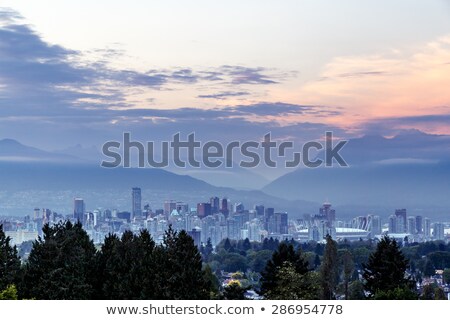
x=211 y=282
x=61 y=265
x=284 y=253
x=9 y=261
x=356 y=291
x=207 y=250
x=182 y=276
x=125 y=267
x=385 y=270
x=347 y=270
x=329 y=269
x=294 y=286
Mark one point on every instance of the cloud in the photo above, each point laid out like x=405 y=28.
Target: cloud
x=402 y=82
x=432 y=123
x=223 y=95
x=51 y=94
x=244 y=75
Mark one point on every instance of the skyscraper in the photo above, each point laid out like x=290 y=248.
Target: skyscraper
x=78 y=210
x=412 y=229
x=438 y=231
x=427 y=227
x=327 y=214
x=169 y=206
x=419 y=224
x=401 y=220
x=203 y=209
x=224 y=207
x=136 y=210
x=392 y=226
x=215 y=206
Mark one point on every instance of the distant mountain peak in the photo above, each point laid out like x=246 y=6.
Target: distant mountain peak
x=9 y=141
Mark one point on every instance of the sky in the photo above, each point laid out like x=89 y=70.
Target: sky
x=84 y=72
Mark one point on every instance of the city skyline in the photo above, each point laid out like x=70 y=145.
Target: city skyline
x=220 y=219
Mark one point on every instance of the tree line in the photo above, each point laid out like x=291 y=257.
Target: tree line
x=65 y=264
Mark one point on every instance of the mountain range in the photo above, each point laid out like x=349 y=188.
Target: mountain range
x=411 y=170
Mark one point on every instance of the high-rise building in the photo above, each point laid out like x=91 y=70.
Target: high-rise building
x=232 y=229
x=78 y=209
x=401 y=220
x=215 y=204
x=203 y=209
x=224 y=207
x=281 y=221
x=259 y=210
x=419 y=224
x=427 y=227
x=392 y=224
x=412 y=229
x=169 y=206
x=136 y=210
x=438 y=231
x=327 y=214
x=239 y=207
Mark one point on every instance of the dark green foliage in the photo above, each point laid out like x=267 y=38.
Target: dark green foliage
x=181 y=276
x=446 y=276
x=258 y=259
x=61 y=265
x=428 y=269
x=440 y=259
x=329 y=269
x=384 y=273
x=356 y=291
x=292 y=285
x=207 y=250
x=347 y=269
x=211 y=282
x=9 y=261
x=285 y=253
x=432 y=292
x=125 y=267
x=399 y=293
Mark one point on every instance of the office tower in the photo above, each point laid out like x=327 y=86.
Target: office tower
x=224 y=207
x=327 y=214
x=169 y=206
x=392 y=227
x=259 y=210
x=412 y=229
x=268 y=213
x=136 y=210
x=78 y=210
x=254 y=230
x=232 y=229
x=203 y=209
x=281 y=222
x=239 y=207
x=427 y=227
x=401 y=220
x=215 y=204
x=182 y=208
x=438 y=231
x=419 y=224
x=37 y=212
